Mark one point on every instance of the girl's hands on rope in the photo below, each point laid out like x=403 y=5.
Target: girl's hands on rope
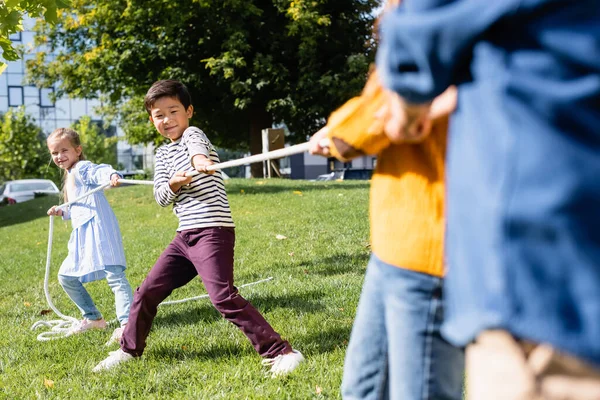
x=54 y=211
x=114 y=179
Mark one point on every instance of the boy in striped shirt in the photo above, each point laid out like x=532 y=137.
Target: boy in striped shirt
x=205 y=238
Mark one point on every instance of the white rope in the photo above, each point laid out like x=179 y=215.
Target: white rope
x=204 y=296
x=271 y=155
x=59 y=328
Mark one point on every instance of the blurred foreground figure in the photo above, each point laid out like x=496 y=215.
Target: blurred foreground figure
x=523 y=182
x=396 y=350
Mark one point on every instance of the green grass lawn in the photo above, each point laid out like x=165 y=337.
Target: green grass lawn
x=192 y=352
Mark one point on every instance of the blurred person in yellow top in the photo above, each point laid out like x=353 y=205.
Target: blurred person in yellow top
x=396 y=350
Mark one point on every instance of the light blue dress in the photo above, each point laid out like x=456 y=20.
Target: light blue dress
x=96 y=239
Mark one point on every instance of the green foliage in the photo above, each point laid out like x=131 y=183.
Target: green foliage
x=248 y=63
x=23 y=151
x=96 y=147
x=11 y=19
x=193 y=353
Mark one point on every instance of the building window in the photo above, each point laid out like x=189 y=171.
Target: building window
x=15 y=37
x=15 y=96
x=109 y=131
x=45 y=97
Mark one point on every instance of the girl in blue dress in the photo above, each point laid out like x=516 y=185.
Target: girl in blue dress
x=95 y=246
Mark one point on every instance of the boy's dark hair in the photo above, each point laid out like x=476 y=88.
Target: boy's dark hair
x=167 y=88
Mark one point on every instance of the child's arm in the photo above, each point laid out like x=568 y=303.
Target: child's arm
x=198 y=147
x=359 y=127
x=426 y=44
x=353 y=129
x=98 y=174
x=165 y=188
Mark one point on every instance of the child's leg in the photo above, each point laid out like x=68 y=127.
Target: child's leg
x=77 y=293
x=211 y=251
x=422 y=364
x=118 y=283
x=172 y=270
x=395 y=349
x=445 y=369
x=366 y=363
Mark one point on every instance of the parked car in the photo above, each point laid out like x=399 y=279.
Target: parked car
x=332 y=176
x=22 y=190
x=346 y=174
x=356 y=173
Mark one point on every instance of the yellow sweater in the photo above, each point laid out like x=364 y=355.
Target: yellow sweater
x=407 y=203
x=407 y=188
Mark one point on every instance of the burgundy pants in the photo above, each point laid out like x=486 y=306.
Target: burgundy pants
x=207 y=252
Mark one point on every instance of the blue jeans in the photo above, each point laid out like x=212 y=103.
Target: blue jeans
x=115 y=276
x=395 y=350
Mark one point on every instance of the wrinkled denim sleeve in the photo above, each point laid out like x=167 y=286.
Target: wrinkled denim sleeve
x=426 y=45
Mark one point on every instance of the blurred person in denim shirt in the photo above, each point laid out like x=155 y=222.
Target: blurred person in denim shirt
x=523 y=181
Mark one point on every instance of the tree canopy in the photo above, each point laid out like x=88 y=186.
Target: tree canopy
x=247 y=63
x=11 y=21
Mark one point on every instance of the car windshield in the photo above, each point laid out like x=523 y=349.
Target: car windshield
x=30 y=186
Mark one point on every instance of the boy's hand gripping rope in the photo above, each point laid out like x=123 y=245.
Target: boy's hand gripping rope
x=60 y=327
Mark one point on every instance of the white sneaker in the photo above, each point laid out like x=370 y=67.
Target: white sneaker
x=283 y=364
x=85 y=325
x=116 y=336
x=115 y=358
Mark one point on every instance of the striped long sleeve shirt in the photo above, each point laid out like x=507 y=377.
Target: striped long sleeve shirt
x=201 y=204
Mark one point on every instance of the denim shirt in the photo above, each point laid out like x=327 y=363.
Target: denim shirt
x=523 y=174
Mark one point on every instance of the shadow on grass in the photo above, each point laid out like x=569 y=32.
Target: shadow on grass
x=204 y=312
x=251 y=187
x=325 y=340
x=198 y=311
x=306 y=302
x=322 y=341
x=337 y=264
x=26 y=211
x=176 y=353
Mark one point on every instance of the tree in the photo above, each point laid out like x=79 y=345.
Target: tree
x=247 y=63
x=96 y=146
x=11 y=19
x=23 y=152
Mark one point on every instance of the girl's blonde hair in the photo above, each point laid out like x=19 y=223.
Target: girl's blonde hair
x=73 y=137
